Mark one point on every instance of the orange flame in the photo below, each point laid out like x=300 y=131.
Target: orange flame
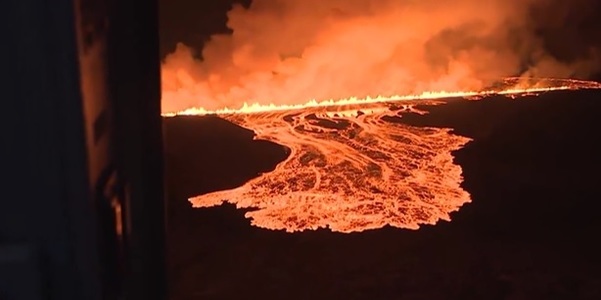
x=513 y=86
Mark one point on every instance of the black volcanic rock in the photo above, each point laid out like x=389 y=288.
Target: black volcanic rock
x=529 y=233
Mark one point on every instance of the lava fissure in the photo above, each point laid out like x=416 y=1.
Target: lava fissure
x=510 y=86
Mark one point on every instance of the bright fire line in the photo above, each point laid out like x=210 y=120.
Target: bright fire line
x=558 y=85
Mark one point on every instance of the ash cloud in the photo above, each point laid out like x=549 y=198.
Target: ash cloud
x=292 y=51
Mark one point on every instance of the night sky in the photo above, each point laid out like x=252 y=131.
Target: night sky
x=192 y=21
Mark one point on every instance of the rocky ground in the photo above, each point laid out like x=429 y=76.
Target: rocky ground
x=530 y=233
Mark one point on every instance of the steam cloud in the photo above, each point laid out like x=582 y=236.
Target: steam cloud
x=292 y=51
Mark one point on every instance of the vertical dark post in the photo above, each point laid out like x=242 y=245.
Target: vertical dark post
x=81 y=151
x=48 y=246
x=134 y=68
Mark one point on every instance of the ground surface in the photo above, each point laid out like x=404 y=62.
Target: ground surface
x=530 y=233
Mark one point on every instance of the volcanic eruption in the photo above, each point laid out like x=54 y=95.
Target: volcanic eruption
x=330 y=80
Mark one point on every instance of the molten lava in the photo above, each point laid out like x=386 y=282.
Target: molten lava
x=352 y=167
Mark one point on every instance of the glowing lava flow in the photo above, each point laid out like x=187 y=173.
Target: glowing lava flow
x=349 y=174
x=351 y=169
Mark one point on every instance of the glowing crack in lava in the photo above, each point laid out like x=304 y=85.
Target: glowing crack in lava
x=353 y=167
